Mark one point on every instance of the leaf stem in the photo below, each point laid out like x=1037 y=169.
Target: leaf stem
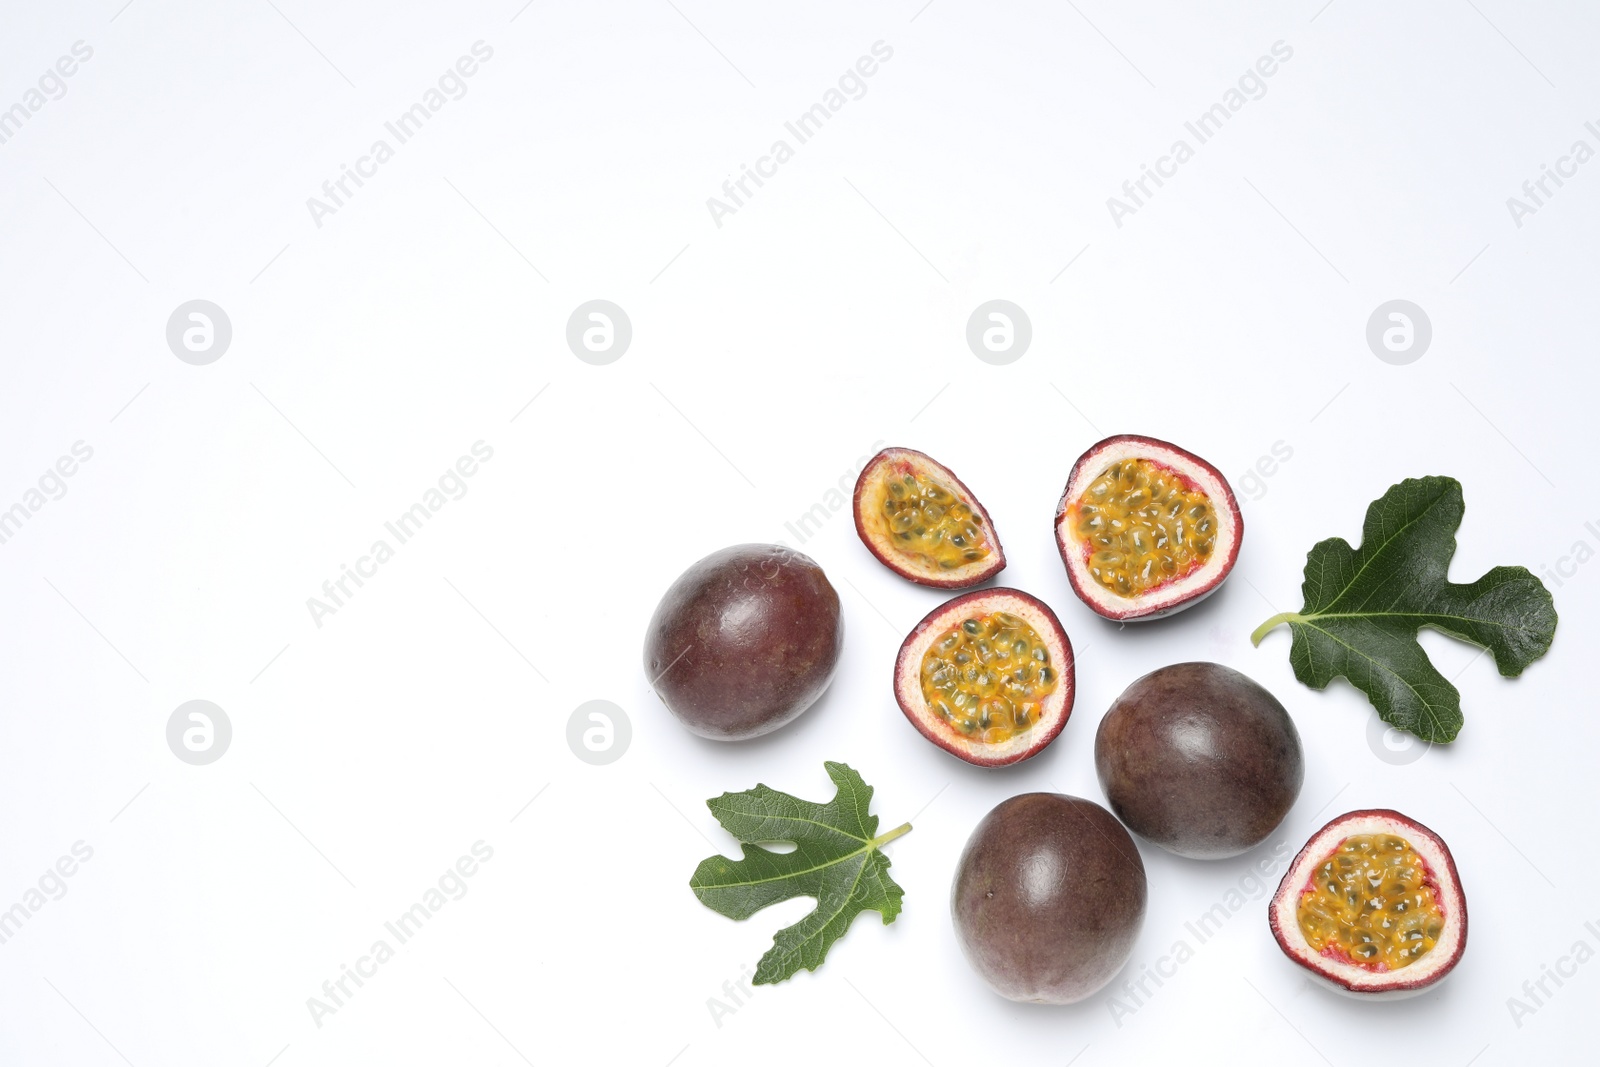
x=884 y=839
x=1261 y=631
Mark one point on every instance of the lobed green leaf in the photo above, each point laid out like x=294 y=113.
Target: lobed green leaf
x=1364 y=607
x=836 y=860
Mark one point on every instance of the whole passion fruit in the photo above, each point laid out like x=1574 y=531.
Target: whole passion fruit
x=1199 y=759
x=917 y=517
x=744 y=641
x=1048 y=898
x=987 y=676
x=1145 y=528
x=1372 y=906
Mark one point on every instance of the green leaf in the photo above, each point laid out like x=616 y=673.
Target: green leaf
x=1363 y=608
x=836 y=859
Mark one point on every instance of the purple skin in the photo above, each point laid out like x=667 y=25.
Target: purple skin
x=1199 y=759
x=744 y=641
x=1048 y=898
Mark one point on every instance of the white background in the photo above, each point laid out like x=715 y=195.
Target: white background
x=828 y=313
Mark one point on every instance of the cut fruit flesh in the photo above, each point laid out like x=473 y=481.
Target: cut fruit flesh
x=921 y=522
x=1330 y=911
x=927 y=520
x=1372 y=903
x=1140 y=524
x=1145 y=528
x=987 y=676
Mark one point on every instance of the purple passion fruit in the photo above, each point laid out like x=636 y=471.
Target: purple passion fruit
x=916 y=516
x=1372 y=906
x=744 y=641
x=987 y=676
x=1146 y=529
x=1048 y=898
x=1199 y=759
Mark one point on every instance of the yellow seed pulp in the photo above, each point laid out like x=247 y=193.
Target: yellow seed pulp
x=927 y=520
x=987 y=677
x=1371 y=902
x=1141 y=524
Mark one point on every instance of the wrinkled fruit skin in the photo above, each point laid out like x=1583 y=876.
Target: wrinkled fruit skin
x=1199 y=759
x=1048 y=898
x=744 y=641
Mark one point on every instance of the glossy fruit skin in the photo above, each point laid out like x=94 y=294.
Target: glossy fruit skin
x=744 y=641
x=1199 y=759
x=1151 y=605
x=1388 y=985
x=908 y=674
x=1048 y=899
x=924 y=463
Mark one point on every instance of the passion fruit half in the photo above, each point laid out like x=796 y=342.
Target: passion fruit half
x=1372 y=906
x=917 y=517
x=987 y=676
x=1048 y=898
x=744 y=641
x=1146 y=529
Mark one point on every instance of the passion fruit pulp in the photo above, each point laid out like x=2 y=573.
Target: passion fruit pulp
x=921 y=522
x=987 y=676
x=1199 y=759
x=1146 y=529
x=1048 y=899
x=1372 y=906
x=744 y=641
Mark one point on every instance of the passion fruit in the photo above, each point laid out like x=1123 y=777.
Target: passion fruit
x=987 y=676
x=917 y=517
x=1146 y=529
x=1048 y=898
x=744 y=641
x=1372 y=906
x=1199 y=759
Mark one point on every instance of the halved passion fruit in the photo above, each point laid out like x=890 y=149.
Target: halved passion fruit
x=1372 y=906
x=1145 y=528
x=914 y=514
x=987 y=676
